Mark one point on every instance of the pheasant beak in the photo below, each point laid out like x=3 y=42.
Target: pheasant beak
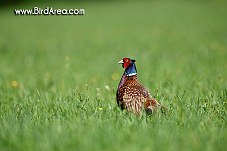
x=121 y=62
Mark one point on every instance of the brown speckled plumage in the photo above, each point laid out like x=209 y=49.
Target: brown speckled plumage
x=131 y=94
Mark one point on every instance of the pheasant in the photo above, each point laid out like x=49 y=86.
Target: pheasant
x=131 y=94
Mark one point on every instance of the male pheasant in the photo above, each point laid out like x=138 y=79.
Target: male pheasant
x=131 y=94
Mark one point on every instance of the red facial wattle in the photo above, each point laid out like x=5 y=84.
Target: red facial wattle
x=126 y=63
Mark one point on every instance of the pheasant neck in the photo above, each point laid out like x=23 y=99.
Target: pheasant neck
x=123 y=78
x=131 y=70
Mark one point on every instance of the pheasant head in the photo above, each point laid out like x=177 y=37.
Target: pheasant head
x=129 y=66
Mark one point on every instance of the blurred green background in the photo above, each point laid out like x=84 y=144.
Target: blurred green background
x=59 y=74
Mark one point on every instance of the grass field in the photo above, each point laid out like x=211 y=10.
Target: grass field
x=59 y=74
